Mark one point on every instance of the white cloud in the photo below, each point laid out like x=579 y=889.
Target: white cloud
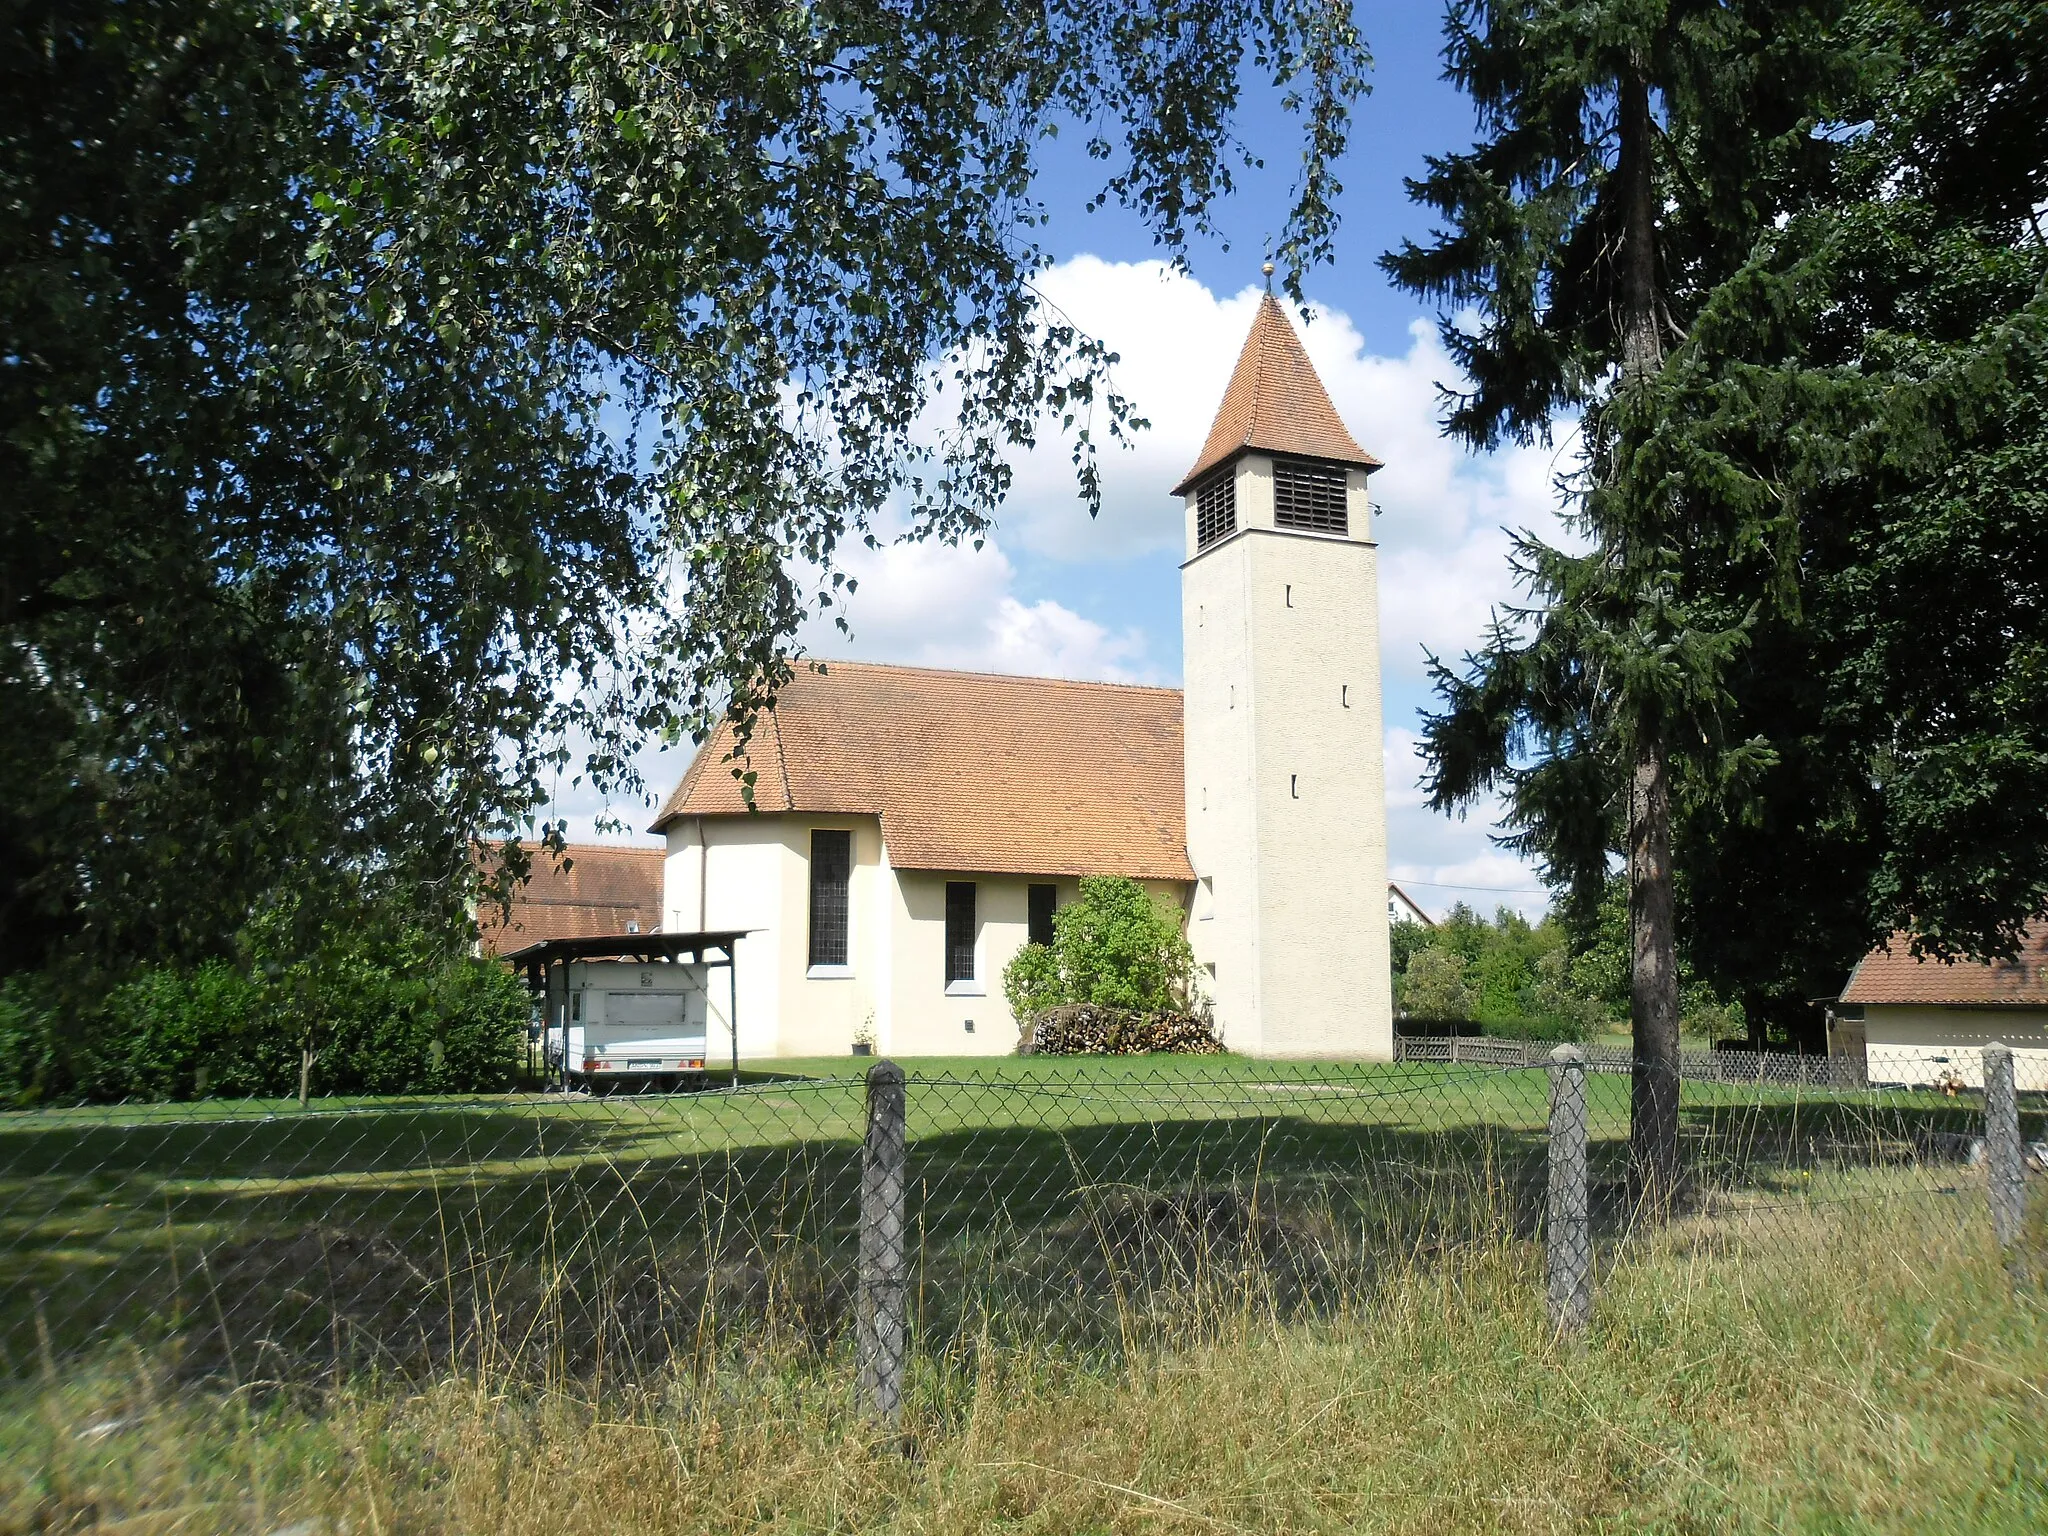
x=1404 y=768
x=1444 y=512
x=1440 y=860
x=1483 y=881
x=931 y=604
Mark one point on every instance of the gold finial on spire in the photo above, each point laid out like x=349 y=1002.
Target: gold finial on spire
x=1268 y=270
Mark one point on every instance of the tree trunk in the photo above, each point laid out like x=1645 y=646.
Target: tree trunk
x=1653 y=984
x=1642 y=342
x=1653 y=980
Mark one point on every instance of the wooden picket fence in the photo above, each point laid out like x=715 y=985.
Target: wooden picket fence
x=1779 y=1069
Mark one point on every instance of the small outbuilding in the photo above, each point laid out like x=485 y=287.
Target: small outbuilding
x=1925 y=1022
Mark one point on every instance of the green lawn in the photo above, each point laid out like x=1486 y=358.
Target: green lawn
x=106 y=1214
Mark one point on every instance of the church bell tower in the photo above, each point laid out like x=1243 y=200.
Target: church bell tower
x=1286 y=800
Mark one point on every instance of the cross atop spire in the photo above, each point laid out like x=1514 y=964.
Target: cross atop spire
x=1275 y=403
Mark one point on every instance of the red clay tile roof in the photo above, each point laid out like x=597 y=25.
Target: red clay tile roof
x=1275 y=403
x=1896 y=977
x=968 y=771
x=602 y=890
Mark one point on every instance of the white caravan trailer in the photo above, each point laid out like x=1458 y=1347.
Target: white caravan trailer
x=631 y=1020
x=640 y=1009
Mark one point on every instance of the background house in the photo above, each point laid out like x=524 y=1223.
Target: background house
x=1925 y=1022
x=1403 y=908
x=594 y=891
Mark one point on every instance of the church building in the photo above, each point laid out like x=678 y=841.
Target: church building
x=913 y=828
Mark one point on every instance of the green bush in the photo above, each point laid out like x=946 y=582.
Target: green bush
x=1114 y=947
x=1031 y=981
x=29 y=1064
x=226 y=1031
x=175 y=1034
x=1435 y=986
x=461 y=1029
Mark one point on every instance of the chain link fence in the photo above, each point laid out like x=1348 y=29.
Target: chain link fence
x=924 y=1212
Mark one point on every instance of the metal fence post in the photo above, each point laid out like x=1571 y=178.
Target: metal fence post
x=882 y=1342
x=2002 y=1144
x=1568 y=1266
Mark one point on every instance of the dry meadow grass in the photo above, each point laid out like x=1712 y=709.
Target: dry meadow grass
x=1866 y=1367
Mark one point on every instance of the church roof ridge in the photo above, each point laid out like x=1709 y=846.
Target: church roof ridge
x=1275 y=403
x=832 y=665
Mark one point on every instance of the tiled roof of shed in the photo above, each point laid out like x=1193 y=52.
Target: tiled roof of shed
x=1276 y=404
x=968 y=771
x=1894 y=976
x=603 y=889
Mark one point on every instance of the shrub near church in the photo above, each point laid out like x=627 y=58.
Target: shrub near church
x=1117 y=979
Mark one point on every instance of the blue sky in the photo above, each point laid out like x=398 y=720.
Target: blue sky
x=1054 y=593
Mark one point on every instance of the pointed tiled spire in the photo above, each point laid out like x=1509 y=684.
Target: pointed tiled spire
x=1276 y=404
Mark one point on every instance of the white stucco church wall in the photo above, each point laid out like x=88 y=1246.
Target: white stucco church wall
x=754 y=873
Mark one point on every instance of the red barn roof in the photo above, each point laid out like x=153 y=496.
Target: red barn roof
x=596 y=891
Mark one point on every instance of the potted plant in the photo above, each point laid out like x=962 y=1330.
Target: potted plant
x=864 y=1037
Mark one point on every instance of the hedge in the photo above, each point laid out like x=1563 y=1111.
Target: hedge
x=216 y=1030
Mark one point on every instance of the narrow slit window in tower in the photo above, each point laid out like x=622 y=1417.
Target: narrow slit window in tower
x=1310 y=497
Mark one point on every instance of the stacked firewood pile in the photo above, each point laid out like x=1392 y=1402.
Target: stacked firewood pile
x=1087 y=1029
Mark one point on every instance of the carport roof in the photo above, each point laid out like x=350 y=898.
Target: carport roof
x=639 y=946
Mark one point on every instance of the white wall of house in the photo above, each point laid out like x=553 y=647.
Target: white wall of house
x=929 y=1018
x=721 y=874
x=754 y=872
x=1923 y=1045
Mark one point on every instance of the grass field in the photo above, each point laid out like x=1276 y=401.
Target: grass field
x=114 y=1221
x=1872 y=1368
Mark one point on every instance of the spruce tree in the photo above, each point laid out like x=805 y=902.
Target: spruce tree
x=1881 y=360
x=1631 y=152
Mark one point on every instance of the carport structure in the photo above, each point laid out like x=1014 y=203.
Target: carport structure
x=552 y=957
